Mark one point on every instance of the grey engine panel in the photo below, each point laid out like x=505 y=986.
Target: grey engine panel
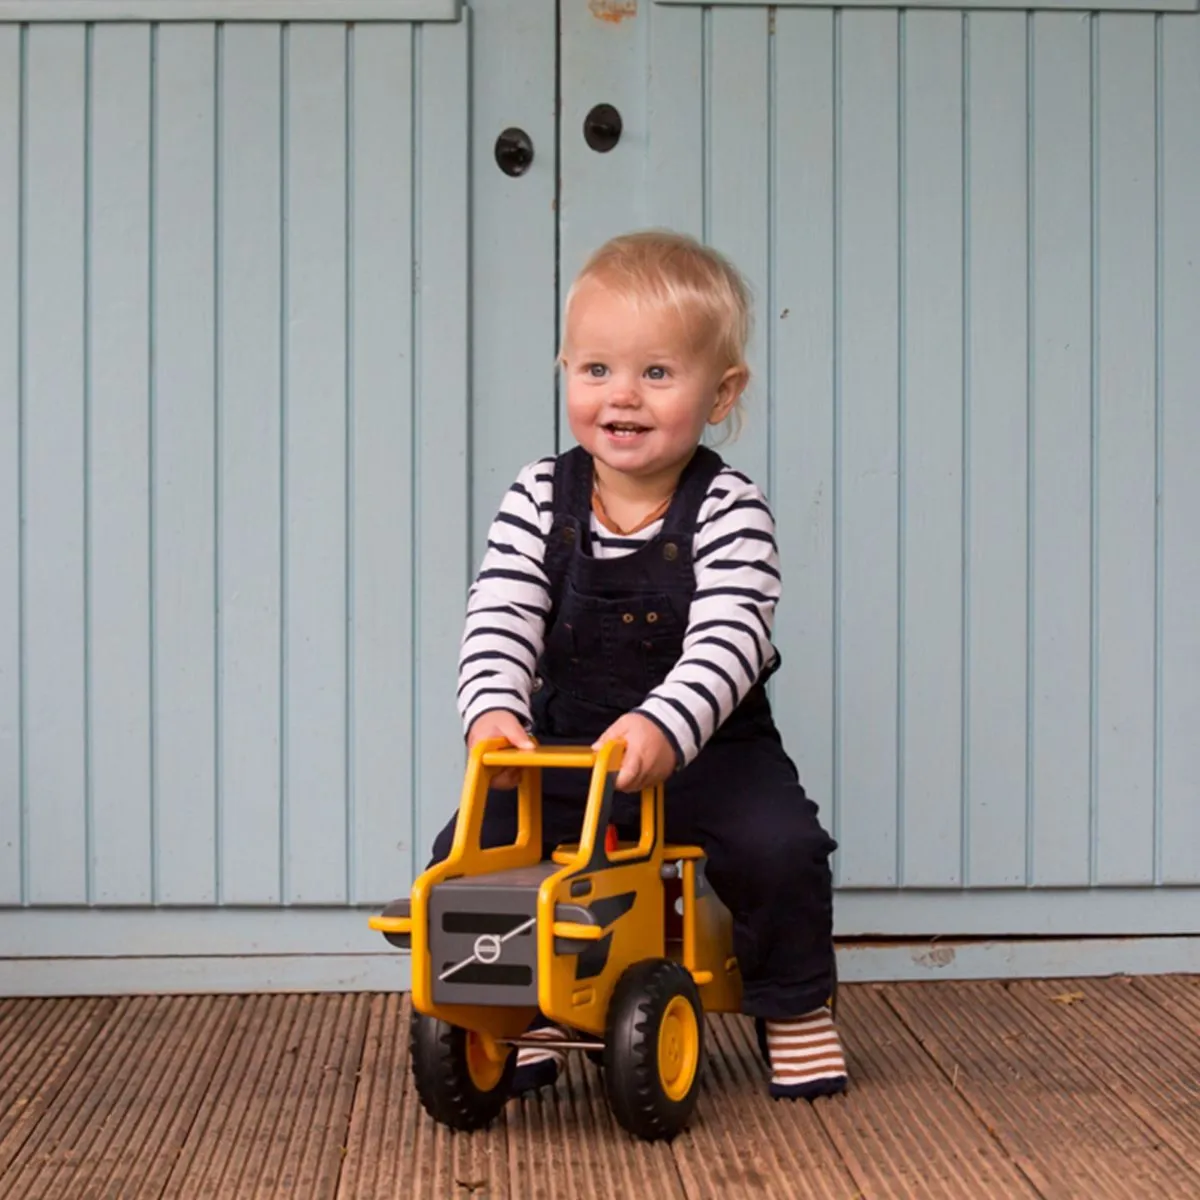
x=472 y=920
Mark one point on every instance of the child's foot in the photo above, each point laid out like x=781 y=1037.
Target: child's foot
x=806 y=1057
x=539 y=1066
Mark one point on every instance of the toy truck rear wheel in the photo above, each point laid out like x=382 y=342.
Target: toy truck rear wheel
x=653 y=1049
x=458 y=1082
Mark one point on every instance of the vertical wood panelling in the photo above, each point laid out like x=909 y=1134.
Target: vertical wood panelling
x=11 y=791
x=739 y=204
x=1060 y=445
x=266 y=366
x=675 y=119
x=118 y=467
x=867 y=409
x=184 y=469
x=53 y=434
x=381 y=398
x=960 y=517
x=513 y=411
x=931 y=428
x=1179 y=261
x=996 y=448
x=439 y=498
x=802 y=401
x=235 y=539
x=604 y=60
x=1124 y=450
x=314 y=470
x=249 y=484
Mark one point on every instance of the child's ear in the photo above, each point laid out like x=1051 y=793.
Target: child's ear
x=732 y=384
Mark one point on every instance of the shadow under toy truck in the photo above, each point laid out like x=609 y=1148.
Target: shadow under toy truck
x=623 y=944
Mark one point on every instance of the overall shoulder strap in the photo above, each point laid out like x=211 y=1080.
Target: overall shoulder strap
x=694 y=483
x=573 y=484
x=570 y=528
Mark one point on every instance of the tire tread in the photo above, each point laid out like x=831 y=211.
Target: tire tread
x=437 y=1052
x=631 y=1050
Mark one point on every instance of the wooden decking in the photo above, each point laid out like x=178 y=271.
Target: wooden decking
x=1052 y=1089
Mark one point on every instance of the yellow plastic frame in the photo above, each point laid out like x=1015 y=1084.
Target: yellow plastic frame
x=636 y=867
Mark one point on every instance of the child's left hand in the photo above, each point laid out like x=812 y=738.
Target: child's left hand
x=649 y=758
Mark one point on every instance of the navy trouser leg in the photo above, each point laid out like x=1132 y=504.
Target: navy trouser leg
x=768 y=861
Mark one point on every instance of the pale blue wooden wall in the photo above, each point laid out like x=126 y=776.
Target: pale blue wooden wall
x=974 y=245
x=275 y=334
x=233 y=439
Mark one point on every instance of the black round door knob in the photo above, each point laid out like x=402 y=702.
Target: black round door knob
x=602 y=128
x=514 y=151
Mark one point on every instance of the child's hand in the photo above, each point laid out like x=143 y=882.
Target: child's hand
x=649 y=758
x=499 y=723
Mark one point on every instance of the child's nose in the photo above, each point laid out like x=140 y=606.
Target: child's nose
x=624 y=390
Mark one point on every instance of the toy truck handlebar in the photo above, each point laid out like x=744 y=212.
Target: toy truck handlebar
x=495 y=753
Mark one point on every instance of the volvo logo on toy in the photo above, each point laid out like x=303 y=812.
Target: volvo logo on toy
x=487 y=949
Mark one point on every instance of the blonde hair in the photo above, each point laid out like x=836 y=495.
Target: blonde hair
x=661 y=268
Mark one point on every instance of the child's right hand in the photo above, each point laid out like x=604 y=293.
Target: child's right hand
x=499 y=723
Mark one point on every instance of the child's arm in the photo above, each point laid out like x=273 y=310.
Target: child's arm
x=508 y=602
x=727 y=645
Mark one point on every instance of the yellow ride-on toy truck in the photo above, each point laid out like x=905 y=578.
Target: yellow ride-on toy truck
x=624 y=944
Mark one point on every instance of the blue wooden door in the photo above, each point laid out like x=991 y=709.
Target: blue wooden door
x=275 y=333
x=970 y=238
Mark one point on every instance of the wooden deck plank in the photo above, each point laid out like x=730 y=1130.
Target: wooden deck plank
x=274 y=1119
x=304 y=1156
x=212 y=1158
x=161 y=1071
x=188 y=1067
x=741 y=1143
x=1178 y=994
x=981 y=1090
x=904 y=1131
x=53 y=1157
x=126 y=1110
x=563 y=1141
x=1068 y=1132
x=41 y=1045
x=1139 y=1049
x=373 y=1154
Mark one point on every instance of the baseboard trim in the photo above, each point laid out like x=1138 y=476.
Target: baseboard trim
x=389 y=971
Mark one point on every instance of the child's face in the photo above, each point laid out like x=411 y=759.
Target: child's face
x=640 y=390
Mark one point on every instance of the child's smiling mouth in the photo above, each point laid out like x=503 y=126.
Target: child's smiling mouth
x=624 y=429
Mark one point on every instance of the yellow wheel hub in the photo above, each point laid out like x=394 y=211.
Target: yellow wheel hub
x=485 y=1061
x=678 y=1048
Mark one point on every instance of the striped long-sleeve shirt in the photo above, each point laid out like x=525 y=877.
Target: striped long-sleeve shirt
x=727 y=643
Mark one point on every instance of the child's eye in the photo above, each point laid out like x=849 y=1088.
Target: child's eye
x=596 y=370
x=656 y=372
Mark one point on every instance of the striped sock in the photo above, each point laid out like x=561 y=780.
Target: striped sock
x=806 y=1057
x=539 y=1066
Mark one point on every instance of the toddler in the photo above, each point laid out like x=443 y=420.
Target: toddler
x=628 y=592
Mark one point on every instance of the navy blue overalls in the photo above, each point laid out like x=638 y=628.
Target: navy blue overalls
x=614 y=631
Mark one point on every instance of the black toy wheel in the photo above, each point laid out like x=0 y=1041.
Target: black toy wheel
x=458 y=1083
x=653 y=1049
